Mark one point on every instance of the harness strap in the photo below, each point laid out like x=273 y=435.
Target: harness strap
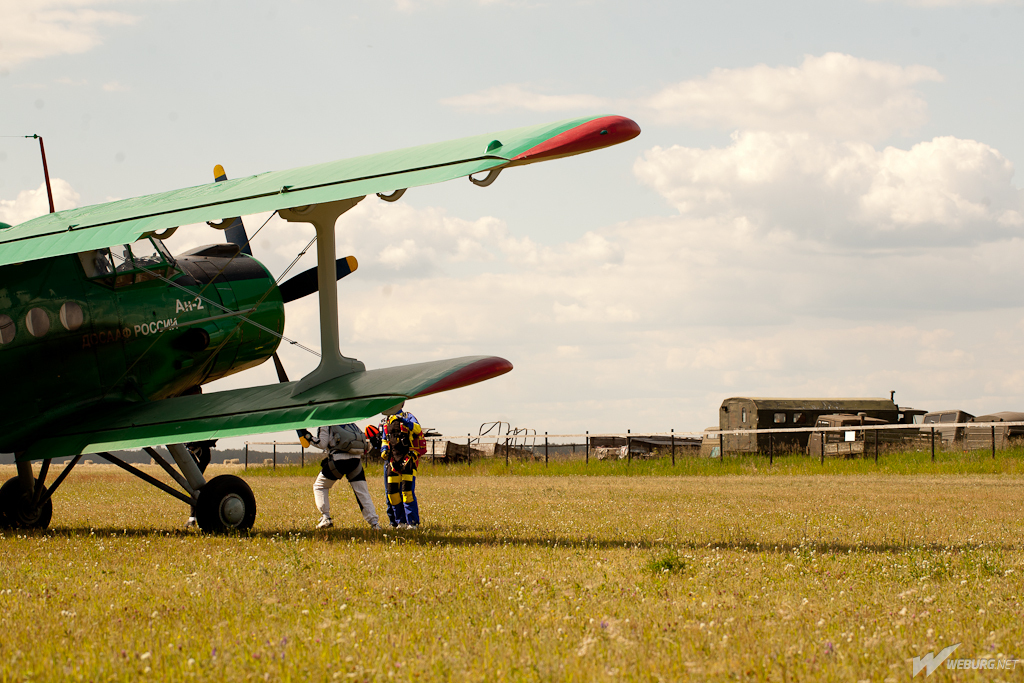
x=333 y=468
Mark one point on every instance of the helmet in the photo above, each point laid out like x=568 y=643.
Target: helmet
x=372 y=433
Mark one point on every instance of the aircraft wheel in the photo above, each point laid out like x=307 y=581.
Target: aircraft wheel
x=17 y=511
x=225 y=504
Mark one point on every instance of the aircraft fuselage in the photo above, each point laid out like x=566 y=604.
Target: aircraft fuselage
x=85 y=332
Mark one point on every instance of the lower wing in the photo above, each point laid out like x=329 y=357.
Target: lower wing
x=258 y=410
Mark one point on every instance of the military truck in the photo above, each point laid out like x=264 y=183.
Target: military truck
x=981 y=437
x=711 y=444
x=789 y=413
x=951 y=436
x=856 y=442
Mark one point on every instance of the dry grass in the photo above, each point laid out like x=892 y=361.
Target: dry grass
x=832 y=577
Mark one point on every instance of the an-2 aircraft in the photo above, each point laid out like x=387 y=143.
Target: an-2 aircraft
x=107 y=348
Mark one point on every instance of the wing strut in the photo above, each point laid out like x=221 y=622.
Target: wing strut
x=113 y=460
x=323 y=218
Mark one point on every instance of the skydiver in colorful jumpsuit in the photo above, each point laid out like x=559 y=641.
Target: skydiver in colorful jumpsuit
x=402 y=444
x=344 y=446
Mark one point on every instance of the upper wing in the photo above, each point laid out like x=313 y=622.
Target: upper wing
x=258 y=410
x=124 y=221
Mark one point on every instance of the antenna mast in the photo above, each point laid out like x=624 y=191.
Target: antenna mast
x=46 y=171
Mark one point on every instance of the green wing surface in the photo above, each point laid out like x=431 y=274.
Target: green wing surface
x=258 y=410
x=124 y=221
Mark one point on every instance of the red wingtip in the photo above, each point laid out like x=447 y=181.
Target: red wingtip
x=603 y=132
x=478 y=371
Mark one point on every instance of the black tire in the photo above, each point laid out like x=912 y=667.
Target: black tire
x=17 y=511
x=225 y=504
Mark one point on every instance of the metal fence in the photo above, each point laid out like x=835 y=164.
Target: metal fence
x=275 y=444
x=536 y=446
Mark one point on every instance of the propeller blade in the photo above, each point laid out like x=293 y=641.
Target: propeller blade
x=305 y=283
x=235 y=232
x=282 y=376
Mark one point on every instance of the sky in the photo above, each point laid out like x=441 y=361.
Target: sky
x=823 y=200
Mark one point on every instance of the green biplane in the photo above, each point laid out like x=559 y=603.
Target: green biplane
x=107 y=348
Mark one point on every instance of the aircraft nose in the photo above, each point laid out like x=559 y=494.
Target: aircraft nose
x=604 y=131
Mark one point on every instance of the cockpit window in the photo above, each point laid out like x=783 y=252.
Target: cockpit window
x=159 y=245
x=146 y=254
x=146 y=259
x=96 y=263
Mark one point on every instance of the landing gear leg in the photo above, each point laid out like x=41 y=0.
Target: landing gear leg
x=223 y=504
x=25 y=476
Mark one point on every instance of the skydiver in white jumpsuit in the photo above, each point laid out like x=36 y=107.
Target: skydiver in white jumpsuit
x=344 y=445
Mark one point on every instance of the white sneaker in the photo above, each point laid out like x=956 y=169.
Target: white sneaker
x=325 y=522
x=190 y=523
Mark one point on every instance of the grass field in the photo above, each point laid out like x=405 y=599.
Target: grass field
x=797 y=573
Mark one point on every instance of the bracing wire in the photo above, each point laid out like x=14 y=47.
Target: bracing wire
x=241 y=315
x=248 y=241
x=238 y=326
x=296 y=260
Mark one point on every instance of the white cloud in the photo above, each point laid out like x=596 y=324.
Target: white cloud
x=590 y=251
x=402 y=242
x=45 y=28
x=661 y=318
x=943 y=191
x=691 y=309
x=33 y=203
x=835 y=94
x=654 y=276
x=695 y=310
x=397 y=240
x=416 y=5
x=114 y=86
x=520 y=96
x=952 y=3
